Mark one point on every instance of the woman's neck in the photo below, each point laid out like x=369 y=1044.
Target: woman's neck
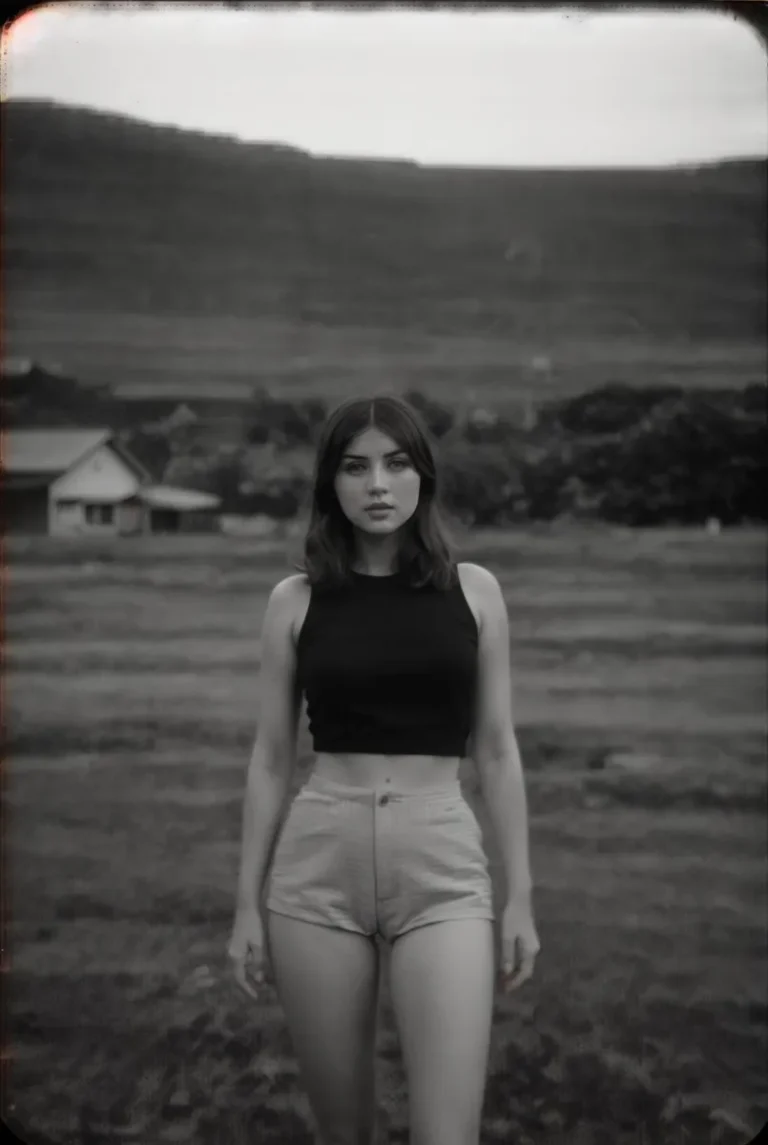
x=375 y=561
x=373 y=567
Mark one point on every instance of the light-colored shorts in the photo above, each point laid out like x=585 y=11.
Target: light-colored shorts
x=378 y=861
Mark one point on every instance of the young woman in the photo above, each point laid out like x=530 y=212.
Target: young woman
x=403 y=657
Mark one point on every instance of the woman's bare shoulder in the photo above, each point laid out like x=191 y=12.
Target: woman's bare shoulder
x=480 y=587
x=476 y=576
x=290 y=597
x=290 y=592
x=291 y=586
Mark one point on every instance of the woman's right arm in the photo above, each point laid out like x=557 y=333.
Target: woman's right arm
x=274 y=752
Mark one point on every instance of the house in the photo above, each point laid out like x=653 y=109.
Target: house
x=76 y=482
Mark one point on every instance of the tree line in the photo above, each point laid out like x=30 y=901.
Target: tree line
x=637 y=456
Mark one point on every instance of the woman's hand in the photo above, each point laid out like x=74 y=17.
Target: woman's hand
x=519 y=943
x=246 y=949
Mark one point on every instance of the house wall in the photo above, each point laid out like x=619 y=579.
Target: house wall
x=77 y=518
x=65 y=518
x=69 y=518
x=132 y=517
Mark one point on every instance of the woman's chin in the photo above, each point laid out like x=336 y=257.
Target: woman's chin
x=383 y=525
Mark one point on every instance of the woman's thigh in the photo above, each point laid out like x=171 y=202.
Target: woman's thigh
x=327 y=982
x=442 y=984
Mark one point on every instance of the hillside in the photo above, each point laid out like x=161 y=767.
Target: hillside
x=142 y=254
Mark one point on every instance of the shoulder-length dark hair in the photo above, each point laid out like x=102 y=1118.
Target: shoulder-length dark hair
x=425 y=556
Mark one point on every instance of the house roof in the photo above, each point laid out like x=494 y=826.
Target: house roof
x=172 y=497
x=51 y=451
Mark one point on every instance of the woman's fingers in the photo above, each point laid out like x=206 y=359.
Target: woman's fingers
x=517 y=966
x=245 y=972
x=522 y=974
x=241 y=976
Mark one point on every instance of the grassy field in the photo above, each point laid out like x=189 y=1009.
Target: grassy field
x=141 y=254
x=131 y=672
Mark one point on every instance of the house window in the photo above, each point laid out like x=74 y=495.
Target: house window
x=99 y=514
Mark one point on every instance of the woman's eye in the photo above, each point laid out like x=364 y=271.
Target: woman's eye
x=357 y=466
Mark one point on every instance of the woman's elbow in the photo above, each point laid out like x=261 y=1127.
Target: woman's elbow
x=497 y=755
x=499 y=763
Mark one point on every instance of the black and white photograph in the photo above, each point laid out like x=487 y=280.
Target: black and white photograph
x=384 y=455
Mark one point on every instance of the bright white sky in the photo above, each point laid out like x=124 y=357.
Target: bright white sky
x=499 y=89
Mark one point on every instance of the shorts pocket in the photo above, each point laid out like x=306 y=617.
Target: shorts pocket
x=454 y=812
x=443 y=861
x=308 y=832
x=446 y=836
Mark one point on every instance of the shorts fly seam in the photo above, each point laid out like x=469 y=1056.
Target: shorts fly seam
x=374 y=868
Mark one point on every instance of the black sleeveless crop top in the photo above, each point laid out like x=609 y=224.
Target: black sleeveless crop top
x=388 y=669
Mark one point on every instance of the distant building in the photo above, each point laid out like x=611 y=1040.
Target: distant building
x=84 y=482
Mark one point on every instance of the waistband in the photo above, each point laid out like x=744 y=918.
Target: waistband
x=321 y=785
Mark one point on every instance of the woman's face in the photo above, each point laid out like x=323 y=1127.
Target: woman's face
x=374 y=469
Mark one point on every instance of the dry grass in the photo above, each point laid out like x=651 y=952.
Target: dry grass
x=639 y=694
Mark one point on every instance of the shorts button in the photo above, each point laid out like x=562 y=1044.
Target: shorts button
x=384 y=799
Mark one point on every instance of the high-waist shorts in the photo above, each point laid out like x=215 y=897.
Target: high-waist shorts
x=378 y=861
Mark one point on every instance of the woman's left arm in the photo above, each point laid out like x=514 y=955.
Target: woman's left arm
x=497 y=757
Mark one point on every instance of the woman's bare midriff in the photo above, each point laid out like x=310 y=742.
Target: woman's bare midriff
x=400 y=772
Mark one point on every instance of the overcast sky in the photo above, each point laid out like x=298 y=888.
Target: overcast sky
x=500 y=89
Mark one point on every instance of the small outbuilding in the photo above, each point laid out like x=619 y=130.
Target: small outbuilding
x=74 y=482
